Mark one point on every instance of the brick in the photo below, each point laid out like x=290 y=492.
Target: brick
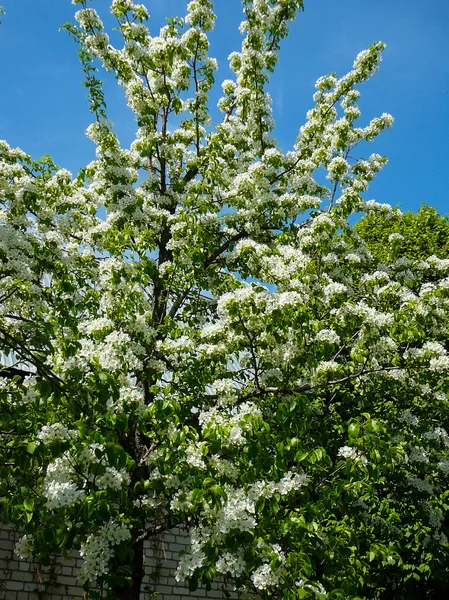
x=163 y=589
x=182 y=591
x=23 y=576
x=73 y=591
x=175 y=547
x=151 y=562
x=215 y=594
x=13 y=585
x=33 y=587
x=65 y=580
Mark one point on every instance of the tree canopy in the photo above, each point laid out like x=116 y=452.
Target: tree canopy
x=410 y=235
x=221 y=350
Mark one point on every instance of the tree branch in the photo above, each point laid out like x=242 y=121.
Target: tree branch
x=212 y=257
x=306 y=387
x=11 y=372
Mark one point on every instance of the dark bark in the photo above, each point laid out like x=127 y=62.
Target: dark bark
x=132 y=564
x=135 y=564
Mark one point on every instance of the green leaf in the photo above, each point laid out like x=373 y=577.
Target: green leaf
x=31 y=447
x=193 y=584
x=29 y=504
x=354 y=429
x=197 y=496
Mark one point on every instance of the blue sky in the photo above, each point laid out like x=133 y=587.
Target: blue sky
x=43 y=108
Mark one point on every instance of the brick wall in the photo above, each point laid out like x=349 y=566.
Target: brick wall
x=23 y=580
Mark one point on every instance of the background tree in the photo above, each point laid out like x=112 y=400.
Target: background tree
x=214 y=352
x=410 y=235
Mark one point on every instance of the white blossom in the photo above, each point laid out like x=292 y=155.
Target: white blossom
x=264 y=577
x=350 y=453
x=328 y=335
x=24 y=547
x=420 y=484
x=393 y=237
x=98 y=549
x=56 y=431
x=231 y=564
x=60 y=487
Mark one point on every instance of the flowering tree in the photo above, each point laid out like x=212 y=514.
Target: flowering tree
x=221 y=350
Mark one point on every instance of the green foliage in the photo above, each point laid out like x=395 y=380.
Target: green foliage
x=424 y=234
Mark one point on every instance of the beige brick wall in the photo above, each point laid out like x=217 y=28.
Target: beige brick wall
x=23 y=580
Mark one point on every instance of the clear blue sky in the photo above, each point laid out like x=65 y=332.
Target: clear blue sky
x=44 y=111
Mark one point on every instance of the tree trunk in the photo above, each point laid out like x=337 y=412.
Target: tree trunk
x=132 y=592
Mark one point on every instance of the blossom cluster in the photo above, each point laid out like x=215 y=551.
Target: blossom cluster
x=69 y=477
x=98 y=549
